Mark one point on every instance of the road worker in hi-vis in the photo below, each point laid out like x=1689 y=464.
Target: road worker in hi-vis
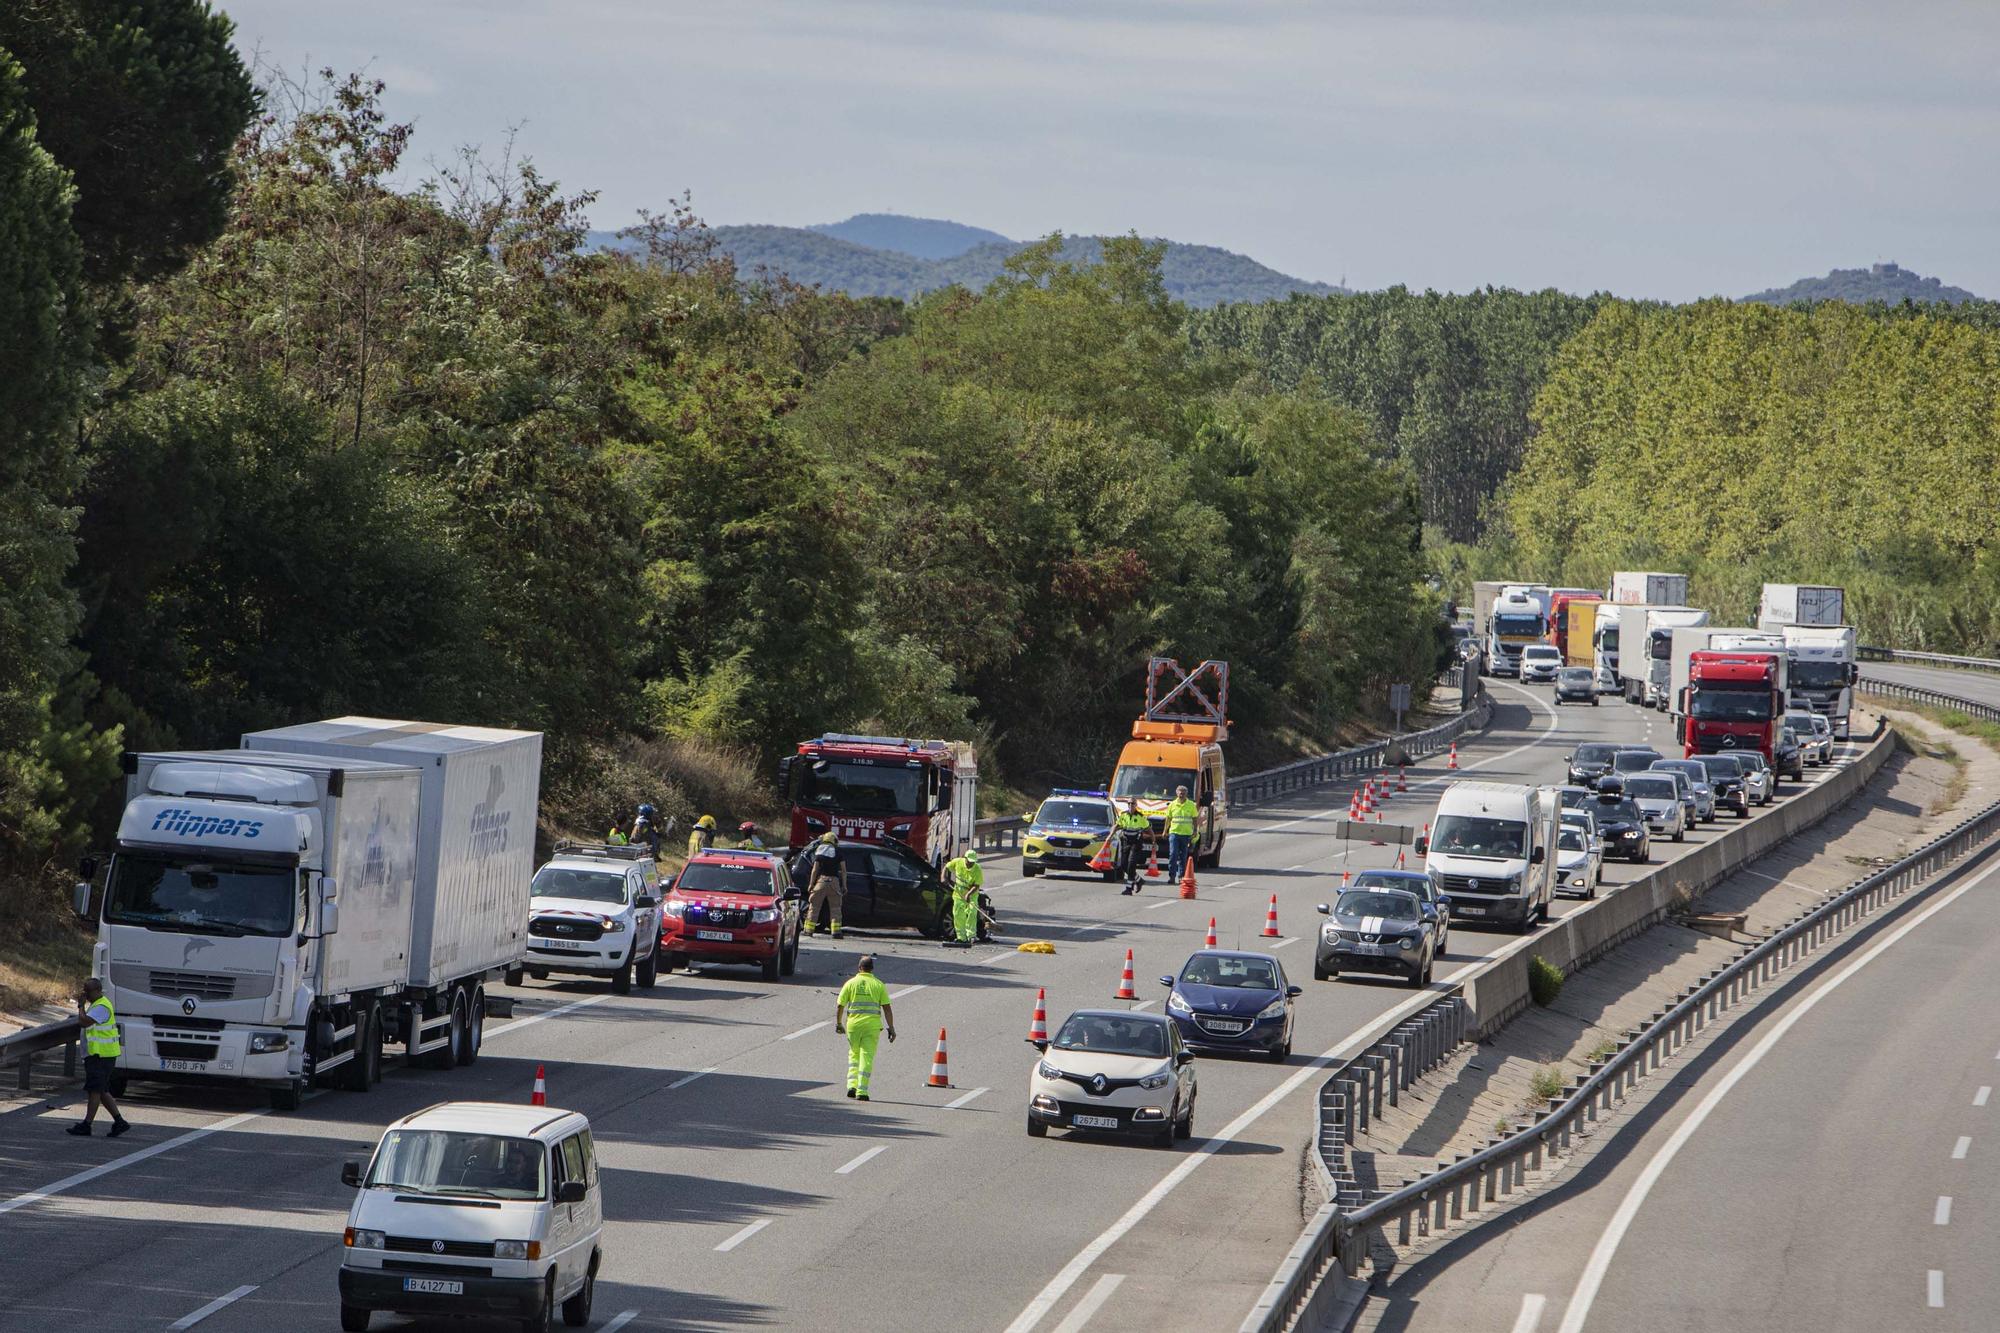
x=861 y=1012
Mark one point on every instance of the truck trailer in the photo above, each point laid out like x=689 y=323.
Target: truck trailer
x=1648 y=588
x=1782 y=604
x=1661 y=622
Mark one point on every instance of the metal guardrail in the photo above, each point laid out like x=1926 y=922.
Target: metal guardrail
x=1001 y=833
x=1340 y=1237
x=1871 y=653
x=22 y=1047
x=1917 y=694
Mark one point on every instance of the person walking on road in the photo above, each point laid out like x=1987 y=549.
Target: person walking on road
x=1181 y=814
x=703 y=836
x=966 y=879
x=860 y=1012
x=829 y=884
x=1130 y=833
x=101 y=1050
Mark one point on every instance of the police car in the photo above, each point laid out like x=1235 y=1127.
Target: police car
x=1067 y=833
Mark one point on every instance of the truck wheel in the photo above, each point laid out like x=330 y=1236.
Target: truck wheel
x=790 y=965
x=288 y=1097
x=353 y=1319
x=621 y=981
x=515 y=976
x=649 y=971
x=475 y=1025
x=770 y=967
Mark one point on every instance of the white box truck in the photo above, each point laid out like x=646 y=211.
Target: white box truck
x=1605 y=641
x=1636 y=626
x=1648 y=588
x=278 y=914
x=1661 y=622
x=1783 y=604
x=1492 y=852
x=1823 y=671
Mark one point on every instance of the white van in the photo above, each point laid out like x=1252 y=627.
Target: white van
x=1492 y=852
x=475 y=1208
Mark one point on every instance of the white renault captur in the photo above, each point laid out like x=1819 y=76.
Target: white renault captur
x=594 y=909
x=1115 y=1072
x=475 y=1208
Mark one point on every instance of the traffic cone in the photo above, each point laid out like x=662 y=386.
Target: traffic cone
x=540 y=1096
x=1354 y=808
x=1346 y=877
x=1209 y=943
x=1452 y=762
x=1399 y=862
x=1271 y=919
x=940 y=1076
x=1038 y=1026
x=1402 y=778
x=1187 y=876
x=1367 y=800
x=1102 y=861
x=1125 y=990
x=1153 y=866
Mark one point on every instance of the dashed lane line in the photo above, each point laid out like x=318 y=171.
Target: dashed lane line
x=1941 y=1215
x=1979 y=1098
x=1934 y=1289
x=1961 y=1148
x=1530 y=1318
x=686 y=1079
x=966 y=1100
x=219 y=1303
x=862 y=1160
x=794 y=1036
x=1093 y=1301
x=745 y=1234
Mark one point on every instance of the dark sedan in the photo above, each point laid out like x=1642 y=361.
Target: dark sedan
x=1375 y=930
x=1725 y=777
x=1231 y=1001
x=1576 y=685
x=890 y=887
x=1590 y=762
x=1622 y=827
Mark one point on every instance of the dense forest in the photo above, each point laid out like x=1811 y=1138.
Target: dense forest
x=289 y=439
x=1889 y=284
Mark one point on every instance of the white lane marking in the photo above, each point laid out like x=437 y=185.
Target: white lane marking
x=794 y=1036
x=1961 y=1148
x=1979 y=1098
x=1141 y=1005
x=1941 y=1215
x=68 y=1183
x=909 y=990
x=1012 y=882
x=1289 y=939
x=1203 y=1149
x=686 y=1079
x=623 y=1318
x=544 y=1016
x=1154 y=907
x=220 y=1302
x=1530 y=1318
x=1934 y=1289
x=1232 y=883
x=1093 y=1300
x=862 y=1160
x=745 y=1234
x=1606 y=1249
x=954 y=1105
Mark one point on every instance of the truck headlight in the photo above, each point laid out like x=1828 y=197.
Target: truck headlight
x=262 y=1043
x=357 y=1239
x=517 y=1249
x=1158 y=1080
x=613 y=926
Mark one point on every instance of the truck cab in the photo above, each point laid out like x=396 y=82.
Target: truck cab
x=1734 y=700
x=1823 y=671
x=922 y=794
x=1163 y=756
x=1516 y=622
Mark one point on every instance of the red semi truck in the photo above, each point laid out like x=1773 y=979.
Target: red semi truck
x=1734 y=700
x=923 y=794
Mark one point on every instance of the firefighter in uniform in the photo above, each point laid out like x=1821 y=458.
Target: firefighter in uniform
x=829 y=883
x=860 y=1012
x=966 y=879
x=703 y=836
x=101 y=1051
x=1130 y=833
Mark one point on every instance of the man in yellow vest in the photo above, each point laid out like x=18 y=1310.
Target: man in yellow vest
x=1181 y=814
x=965 y=879
x=860 y=1012
x=1130 y=833
x=101 y=1048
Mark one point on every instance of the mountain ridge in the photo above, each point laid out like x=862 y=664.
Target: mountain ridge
x=1886 y=282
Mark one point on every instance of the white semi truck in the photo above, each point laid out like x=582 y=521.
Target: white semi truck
x=1637 y=587
x=1605 y=645
x=280 y=914
x=1783 y=604
x=1823 y=671
x=1507 y=617
x=1661 y=622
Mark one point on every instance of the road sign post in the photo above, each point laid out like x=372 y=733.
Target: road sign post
x=1399 y=703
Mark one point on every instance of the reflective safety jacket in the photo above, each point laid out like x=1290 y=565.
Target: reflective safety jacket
x=101 y=1037
x=1181 y=816
x=863 y=997
x=964 y=875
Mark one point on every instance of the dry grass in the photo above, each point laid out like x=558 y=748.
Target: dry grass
x=1917 y=743
x=41 y=968
x=588 y=787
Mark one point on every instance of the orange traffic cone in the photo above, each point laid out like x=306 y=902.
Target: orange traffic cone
x=1209 y=943
x=1187 y=876
x=1402 y=778
x=1125 y=990
x=1346 y=876
x=1354 y=808
x=1452 y=762
x=1153 y=866
x=540 y=1096
x=1368 y=799
x=1400 y=863
x=1102 y=861
x=1038 y=1026
x=1271 y=919
x=940 y=1076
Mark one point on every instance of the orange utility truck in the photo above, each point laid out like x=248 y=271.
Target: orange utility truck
x=1177 y=742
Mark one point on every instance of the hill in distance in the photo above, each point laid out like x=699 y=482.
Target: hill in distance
x=1889 y=283
x=854 y=257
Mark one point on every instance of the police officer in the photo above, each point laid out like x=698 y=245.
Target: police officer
x=966 y=879
x=703 y=836
x=101 y=1049
x=1181 y=814
x=1130 y=833
x=828 y=880
x=860 y=1012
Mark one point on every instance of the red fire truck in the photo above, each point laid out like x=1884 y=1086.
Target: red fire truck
x=923 y=794
x=1734 y=700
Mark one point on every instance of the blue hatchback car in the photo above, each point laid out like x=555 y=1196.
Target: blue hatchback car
x=1227 y=1000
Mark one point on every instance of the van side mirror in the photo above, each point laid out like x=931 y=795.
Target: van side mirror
x=329 y=917
x=87 y=868
x=571 y=1191
x=1183 y=1057
x=645 y=900
x=80 y=899
x=350 y=1174
x=1422 y=846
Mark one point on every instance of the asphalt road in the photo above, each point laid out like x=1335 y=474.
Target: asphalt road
x=1835 y=1165
x=742 y=1188
x=1983 y=686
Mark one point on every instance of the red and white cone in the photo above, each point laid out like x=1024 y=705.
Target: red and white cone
x=1125 y=989
x=540 y=1096
x=940 y=1075
x=1102 y=862
x=1452 y=762
x=1271 y=919
x=1400 y=864
x=1368 y=799
x=1209 y=943
x=1346 y=876
x=1153 y=865
x=1402 y=778
x=1038 y=1026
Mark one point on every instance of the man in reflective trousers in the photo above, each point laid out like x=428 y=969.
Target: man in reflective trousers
x=965 y=879
x=860 y=1011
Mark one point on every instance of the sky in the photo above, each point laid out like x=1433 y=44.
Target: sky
x=1671 y=149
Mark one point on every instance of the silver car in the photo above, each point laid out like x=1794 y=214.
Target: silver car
x=1702 y=796
x=1658 y=797
x=1815 y=735
x=1540 y=662
x=1579 y=859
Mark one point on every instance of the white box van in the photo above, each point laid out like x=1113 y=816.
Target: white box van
x=475 y=1208
x=1492 y=852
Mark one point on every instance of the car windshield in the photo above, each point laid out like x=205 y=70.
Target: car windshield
x=1571 y=839
x=1715 y=705
x=201 y=898
x=1818 y=675
x=1540 y=653
x=867 y=789
x=1396 y=906
x=1113 y=1034
x=1235 y=973
x=1385 y=879
x=1594 y=754
x=433 y=1161
x=725 y=877
x=1573 y=797
x=1477 y=835
x=1156 y=784
x=1659 y=788
x=591 y=886
x=1751 y=760
x=1086 y=814
x=1574 y=675
x=1633 y=761
x=1611 y=811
